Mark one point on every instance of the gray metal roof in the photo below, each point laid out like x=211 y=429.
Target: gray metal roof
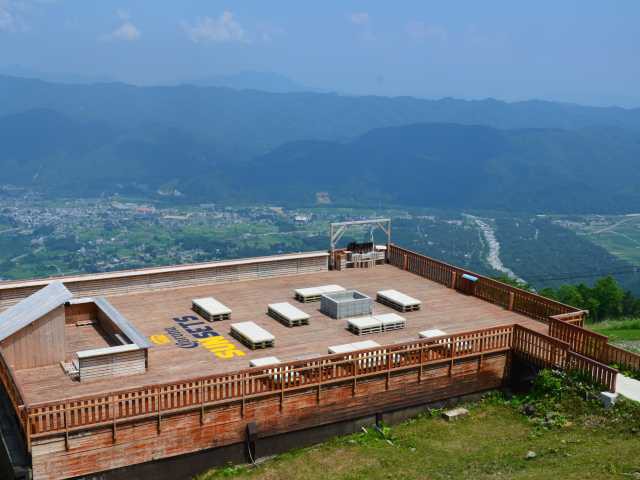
x=122 y=323
x=32 y=308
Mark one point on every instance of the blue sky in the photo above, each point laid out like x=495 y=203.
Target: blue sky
x=580 y=51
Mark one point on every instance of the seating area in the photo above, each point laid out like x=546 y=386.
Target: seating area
x=313 y=294
x=264 y=362
x=211 y=309
x=352 y=347
x=398 y=300
x=288 y=315
x=431 y=333
x=376 y=323
x=252 y=335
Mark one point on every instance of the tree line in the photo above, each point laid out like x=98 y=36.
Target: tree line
x=606 y=299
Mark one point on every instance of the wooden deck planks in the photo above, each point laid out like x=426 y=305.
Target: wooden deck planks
x=153 y=312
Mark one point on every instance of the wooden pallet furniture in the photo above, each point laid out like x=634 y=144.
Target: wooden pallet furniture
x=432 y=333
x=376 y=323
x=313 y=294
x=252 y=335
x=391 y=321
x=398 y=300
x=352 y=347
x=211 y=309
x=364 y=325
x=288 y=315
x=264 y=362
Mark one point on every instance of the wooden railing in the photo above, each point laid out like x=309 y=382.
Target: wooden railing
x=582 y=341
x=539 y=349
x=622 y=358
x=599 y=373
x=493 y=291
x=13 y=390
x=156 y=401
x=198 y=394
x=565 y=322
x=574 y=318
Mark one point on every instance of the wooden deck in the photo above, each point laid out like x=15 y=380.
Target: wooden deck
x=154 y=312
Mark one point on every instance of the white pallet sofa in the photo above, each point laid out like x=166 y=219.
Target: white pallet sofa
x=252 y=335
x=211 y=309
x=288 y=315
x=365 y=359
x=313 y=294
x=432 y=333
x=376 y=323
x=398 y=300
x=264 y=362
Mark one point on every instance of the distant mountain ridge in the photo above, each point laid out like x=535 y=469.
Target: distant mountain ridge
x=222 y=144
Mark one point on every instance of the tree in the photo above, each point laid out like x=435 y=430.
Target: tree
x=609 y=296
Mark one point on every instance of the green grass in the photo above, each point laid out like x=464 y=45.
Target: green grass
x=626 y=330
x=491 y=443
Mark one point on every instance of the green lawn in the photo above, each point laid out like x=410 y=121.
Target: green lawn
x=491 y=443
x=623 y=333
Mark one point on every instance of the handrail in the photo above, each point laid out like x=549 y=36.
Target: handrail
x=488 y=289
x=12 y=387
x=87 y=412
x=600 y=373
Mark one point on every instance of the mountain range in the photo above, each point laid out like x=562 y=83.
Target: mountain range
x=219 y=144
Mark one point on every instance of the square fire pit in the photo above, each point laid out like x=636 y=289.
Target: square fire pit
x=346 y=304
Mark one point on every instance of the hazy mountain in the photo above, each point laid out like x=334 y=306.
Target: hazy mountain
x=447 y=165
x=246 y=123
x=249 y=80
x=56 y=77
x=439 y=165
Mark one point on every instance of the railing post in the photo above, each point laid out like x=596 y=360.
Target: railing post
x=453 y=279
x=512 y=298
x=66 y=427
x=405 y=263
x=319 y=382
x=201 y=402
x=355 y=376
x=388 y=371
x=158 y=400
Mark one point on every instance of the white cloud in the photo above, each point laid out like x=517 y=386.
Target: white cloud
x=224 y=29
x=359 y=18
x=423 y=31
x=10 y=17
x=126 y=32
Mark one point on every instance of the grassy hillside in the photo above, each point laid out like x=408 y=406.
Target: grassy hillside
x=571 y=438
x=624 y=333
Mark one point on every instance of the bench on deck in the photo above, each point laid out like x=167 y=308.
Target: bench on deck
x=365 y=359
x=211 y=309
x=313 y=294
x=376 y=323
x=398 y=300
x=288 y=315
x=252 y=335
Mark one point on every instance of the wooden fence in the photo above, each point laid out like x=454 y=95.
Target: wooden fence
x=493 y=291
x=13 y=390
x=599 y=373
x=565 y=322
x=239 y=387
x=198 y=394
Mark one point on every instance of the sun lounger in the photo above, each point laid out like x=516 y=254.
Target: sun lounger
x=252 y=335
x=313 y=294
x=288 y=315
x=398 y=300
x=211 y=309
